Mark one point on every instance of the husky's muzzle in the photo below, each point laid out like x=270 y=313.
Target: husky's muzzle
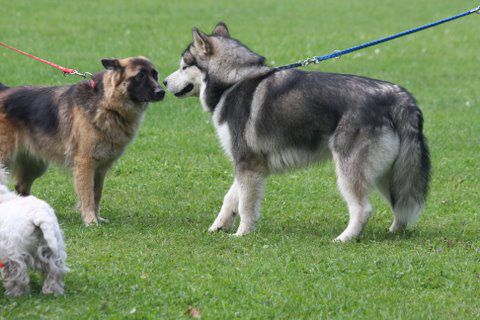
x=189 y=87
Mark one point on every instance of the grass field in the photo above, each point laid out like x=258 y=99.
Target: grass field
x=155 y=259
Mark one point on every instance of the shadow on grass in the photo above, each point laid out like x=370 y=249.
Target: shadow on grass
x=322 y=228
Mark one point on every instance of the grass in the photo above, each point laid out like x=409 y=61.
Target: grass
x=155 y=258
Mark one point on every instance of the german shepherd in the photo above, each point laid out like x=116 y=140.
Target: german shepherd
x=85 y=127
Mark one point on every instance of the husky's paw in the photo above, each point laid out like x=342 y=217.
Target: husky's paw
x=214 y=228
x=222 y=223
x=397 y=227
x=244 y=229
x=344 y=238
x=239 y=234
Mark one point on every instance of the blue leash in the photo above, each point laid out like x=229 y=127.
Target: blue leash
x=336 y=54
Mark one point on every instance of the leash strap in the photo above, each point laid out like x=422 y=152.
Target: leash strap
x=66 y=71
x=337 y=53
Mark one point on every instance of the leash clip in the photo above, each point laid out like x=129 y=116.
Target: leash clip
x=338 y=53
x=76 y=73
x=477 y=9
x=306 y=62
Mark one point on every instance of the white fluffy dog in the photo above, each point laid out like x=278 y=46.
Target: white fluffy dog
x=29 y=237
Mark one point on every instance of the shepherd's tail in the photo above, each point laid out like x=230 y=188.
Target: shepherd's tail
x=411 y=170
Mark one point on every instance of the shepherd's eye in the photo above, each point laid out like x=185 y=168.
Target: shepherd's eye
x=140 y=75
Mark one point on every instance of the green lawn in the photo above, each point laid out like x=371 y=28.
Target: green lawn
x=155 y=259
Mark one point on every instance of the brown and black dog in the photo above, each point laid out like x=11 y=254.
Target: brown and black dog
x=85 y=126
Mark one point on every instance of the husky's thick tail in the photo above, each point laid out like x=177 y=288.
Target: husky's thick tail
x=411 y=170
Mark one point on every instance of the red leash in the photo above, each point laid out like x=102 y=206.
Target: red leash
x=66 y=71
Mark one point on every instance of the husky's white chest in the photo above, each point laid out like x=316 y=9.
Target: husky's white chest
x=223 y=133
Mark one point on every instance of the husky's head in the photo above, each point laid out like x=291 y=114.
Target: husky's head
x=215 y=58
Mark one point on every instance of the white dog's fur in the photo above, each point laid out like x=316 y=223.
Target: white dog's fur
x=29 y=237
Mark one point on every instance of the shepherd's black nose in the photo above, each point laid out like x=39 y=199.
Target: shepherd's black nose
x=165 y=83
x=159 y=94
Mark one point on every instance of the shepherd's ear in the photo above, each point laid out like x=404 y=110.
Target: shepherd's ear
x=221 y=30
x=201 y=41
x=111 y=64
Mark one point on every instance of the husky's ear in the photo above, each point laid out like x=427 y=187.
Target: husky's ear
x=111 y=64
x=201 y=41
x=221 y=30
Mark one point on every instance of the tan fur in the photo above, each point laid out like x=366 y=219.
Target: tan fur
x=86 y=143
x=7 y=139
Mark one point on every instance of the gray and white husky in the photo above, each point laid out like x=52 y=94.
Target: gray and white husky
x=269 y=121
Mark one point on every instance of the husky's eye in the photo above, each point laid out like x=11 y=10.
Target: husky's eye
x=184 y=67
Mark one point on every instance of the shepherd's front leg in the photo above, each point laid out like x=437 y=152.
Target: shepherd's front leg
x=250 y=190
x=83 y=175
x=228 y=212
x=98 y=189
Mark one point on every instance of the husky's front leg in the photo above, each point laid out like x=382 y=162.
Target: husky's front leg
x=250 y=190
x=229 y=210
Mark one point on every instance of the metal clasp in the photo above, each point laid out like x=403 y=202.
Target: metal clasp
x=306 y=62
x=76 y=73
x=335 y=52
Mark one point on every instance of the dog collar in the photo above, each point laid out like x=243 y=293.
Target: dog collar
x=92 y=83
x=2 y=265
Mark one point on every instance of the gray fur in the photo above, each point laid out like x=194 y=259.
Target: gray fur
x=270 y=121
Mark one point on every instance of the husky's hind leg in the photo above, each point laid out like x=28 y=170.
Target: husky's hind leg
x=362 y=158
x=355 y=193
x=406 y=207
